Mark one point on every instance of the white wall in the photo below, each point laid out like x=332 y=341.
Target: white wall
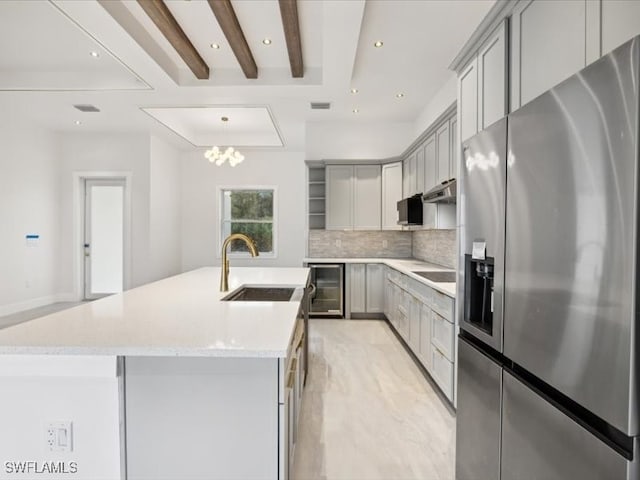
x=85 y=152
x=41 y=389
x=28 y=205
x=442 y=100
x=164 y=228
x=200 y=222
x=349 y=141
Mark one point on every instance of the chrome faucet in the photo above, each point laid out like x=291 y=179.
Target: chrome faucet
x=224 y=272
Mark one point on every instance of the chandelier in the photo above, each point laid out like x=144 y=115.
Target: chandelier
x=219 y=155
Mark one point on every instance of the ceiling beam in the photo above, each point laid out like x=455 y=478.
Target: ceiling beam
x=226 y=16
x=291 y=26
x=167 y=24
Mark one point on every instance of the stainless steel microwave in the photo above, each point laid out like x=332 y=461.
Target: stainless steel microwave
x=410 y=210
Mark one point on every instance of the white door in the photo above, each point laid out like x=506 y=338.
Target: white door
x=103 y=237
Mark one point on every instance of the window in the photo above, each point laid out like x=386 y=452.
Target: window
x=249 y=211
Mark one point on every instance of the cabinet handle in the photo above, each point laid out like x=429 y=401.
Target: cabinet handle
x=292 y=373
x=300 y=340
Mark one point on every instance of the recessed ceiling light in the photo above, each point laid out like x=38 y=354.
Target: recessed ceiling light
x=378 y=44
x=399 y=95
x=354 y=90
x=215 y=46
x=267 y=41
x=94 y=54
x=355 y=110
x=78 y=122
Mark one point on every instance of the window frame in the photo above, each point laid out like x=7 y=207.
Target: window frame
x=220 y=189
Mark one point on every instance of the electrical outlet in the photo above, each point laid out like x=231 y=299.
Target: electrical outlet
x=338 y=243
x=385 y=243
x=59 y=436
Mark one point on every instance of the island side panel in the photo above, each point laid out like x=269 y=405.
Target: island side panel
x=39 y=390
x=195 y=418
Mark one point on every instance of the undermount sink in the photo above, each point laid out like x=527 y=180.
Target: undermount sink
x=260 y=294
x=448 y=276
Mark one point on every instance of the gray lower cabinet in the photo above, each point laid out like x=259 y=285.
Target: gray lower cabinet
x=423 y=317
x=366 y=288
x=375 y=288
x=425 y=336
x=414 y=323
x=358 y=287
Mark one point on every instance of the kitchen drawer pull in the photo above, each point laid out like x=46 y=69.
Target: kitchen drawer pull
x=292 y=373
x=300 y=340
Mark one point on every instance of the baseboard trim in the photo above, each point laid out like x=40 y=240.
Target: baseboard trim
x=367 y=316
x=35 y=303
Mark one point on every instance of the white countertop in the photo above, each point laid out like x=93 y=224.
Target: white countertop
x=403 y=265
x=177 y=316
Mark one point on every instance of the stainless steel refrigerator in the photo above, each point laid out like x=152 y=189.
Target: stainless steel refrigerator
x=548 y=351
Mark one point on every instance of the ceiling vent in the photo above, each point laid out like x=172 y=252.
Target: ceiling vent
x=86 y=108
x=320 y=105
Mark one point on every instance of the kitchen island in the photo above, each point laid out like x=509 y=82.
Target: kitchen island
x=167 y=380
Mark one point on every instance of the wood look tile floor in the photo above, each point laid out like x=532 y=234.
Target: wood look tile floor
x=368 y=412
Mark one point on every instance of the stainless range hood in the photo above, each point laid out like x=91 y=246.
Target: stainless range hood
x=444 y=192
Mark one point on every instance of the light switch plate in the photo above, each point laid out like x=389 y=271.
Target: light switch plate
x=59 y=436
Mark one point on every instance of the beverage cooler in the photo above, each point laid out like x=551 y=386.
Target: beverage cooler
x=327 y=290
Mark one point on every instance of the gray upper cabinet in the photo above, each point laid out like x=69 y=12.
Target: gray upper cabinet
x=339 y=198
x=409 y=176
x=468 y=100
x=455 y=148
x=354 y=196
x=482 y=95
x=492 y=78
x=620 y=22
x=430 y=163
x=443 y=147
x=391 y=194
x=420 y=170
x=548 y=41
x=367 y=198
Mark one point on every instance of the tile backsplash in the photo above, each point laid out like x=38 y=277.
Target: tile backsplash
x=435 y=246
x=359 y=244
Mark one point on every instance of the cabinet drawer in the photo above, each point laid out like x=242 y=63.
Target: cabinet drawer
x=425 y=337
x=442 y=335
x=394 y=275
x=423 y=292
x=442 y=304
x=442 y=372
